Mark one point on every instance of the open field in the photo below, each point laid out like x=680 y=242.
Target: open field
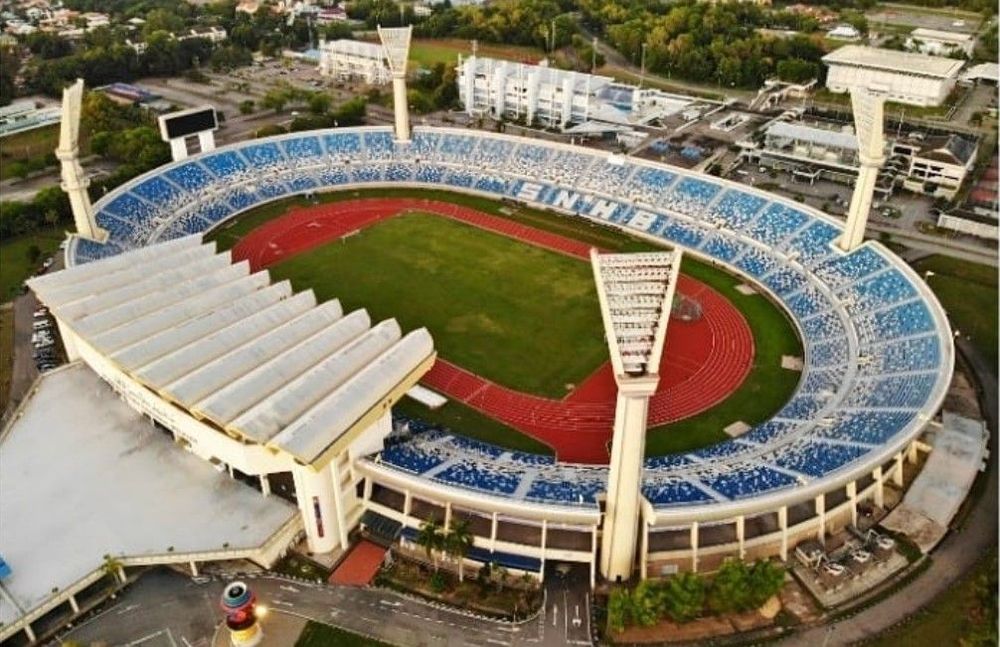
x=765 y=390
x=957 y=616
x=14 y=265
x=27 y=146
x=428 y=52
x=521 y=316
x=968 y=293
x=6 y=352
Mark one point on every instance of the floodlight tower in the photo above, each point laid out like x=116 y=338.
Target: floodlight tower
x=868 y=105
x=74 y=181
x=396 y=43
x=635 y=292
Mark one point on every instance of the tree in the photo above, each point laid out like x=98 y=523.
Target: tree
x=683 y=597
x=319 y=103
x=431 y=539
x=246 y=107
x=275 y=99
x=728 y=592
x=458 y=541
x=796 y=70
x=764 y=579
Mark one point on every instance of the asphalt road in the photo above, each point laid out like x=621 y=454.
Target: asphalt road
x=164 y=603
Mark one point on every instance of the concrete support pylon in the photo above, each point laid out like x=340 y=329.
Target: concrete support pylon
x=868 y=107
x=396 y=44
x=315 y=496
x=74 y=180
x=621 y=512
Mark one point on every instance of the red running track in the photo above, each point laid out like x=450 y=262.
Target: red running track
x=703 y=362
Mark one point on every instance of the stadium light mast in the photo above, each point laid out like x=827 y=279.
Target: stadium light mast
x=74 y=181
x=868 y=105
x=396 y=43
x=635 y=292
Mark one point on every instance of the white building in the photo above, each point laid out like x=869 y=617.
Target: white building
x=24 y=115
x=937 y=165
x=844 y=32
x=940 y=43
x=539 y=93
x=906 y=77
x=354 y=59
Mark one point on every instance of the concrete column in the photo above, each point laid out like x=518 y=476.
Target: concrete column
x=368 y=490
x=861 y=204
x=852 y=494
x=621 y=513
x=407 y=502
x=821 y=514
x=644 y=555
x=194 y=568
x=401 y=107
x=783 y=525
x=741 y=535
x=867 y=107
x=265 y=485
x=593 y=557
x=339 y=506
x=694 y=546
x=493 y=533
x=545 y=537
x=912 y=452
x=879 y=487
x=29 y=632
x=897 y=473
x=447 y=516
x=73 y=604
x=69 y=341
x=314 y=493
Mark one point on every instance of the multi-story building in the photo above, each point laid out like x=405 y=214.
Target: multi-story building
x=354 y=59
x=938 y=164
x=534 y=93
x=906 y=77
x=940 y=43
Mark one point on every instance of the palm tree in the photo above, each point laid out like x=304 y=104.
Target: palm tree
x=431 y=539
x=458 y=541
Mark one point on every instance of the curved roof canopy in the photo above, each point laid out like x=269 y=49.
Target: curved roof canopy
x=254 y=359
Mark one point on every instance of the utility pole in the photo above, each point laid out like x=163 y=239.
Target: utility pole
x=642 y=65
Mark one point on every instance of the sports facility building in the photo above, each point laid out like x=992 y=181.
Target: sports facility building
x=878 y=350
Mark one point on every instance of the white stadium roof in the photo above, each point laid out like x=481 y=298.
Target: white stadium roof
x=258 y=361
x=893 y=61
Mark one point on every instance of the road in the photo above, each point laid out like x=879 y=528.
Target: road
x=165 y=602
x=959 y=551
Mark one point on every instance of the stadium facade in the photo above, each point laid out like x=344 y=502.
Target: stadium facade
x=878 y=352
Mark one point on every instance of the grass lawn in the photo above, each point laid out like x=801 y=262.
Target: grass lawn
x=461 y=418
x=6 y=353
x=766 y=389
x=317 y=634
x=14 y=265
x=968 y=292
x=954 y=617
x=521 y=316
x=427 y=52
x=26 y=145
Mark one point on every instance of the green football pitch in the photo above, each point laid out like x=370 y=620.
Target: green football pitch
x=518 y=315
x=524 y=317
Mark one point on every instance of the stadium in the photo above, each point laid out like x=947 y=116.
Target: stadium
x=877 y=354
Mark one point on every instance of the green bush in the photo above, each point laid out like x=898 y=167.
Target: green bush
x=438 y=583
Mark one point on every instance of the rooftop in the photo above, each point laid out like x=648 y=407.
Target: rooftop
x=893 y=61
x=258 y=361
x=83 y=475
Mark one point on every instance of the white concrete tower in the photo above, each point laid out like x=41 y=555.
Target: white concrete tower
x=74 y=182
x=635 y=292
x=396 y=42
x=867 y=105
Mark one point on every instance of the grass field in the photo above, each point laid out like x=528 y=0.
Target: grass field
x=524 y=317
x=26 y=145
x=317 y=634
x=6 y=353
x=765 y=390
x=968 y=293
x=14 y=265
x=954 y=618
x=426 y=52
x=460 y=417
